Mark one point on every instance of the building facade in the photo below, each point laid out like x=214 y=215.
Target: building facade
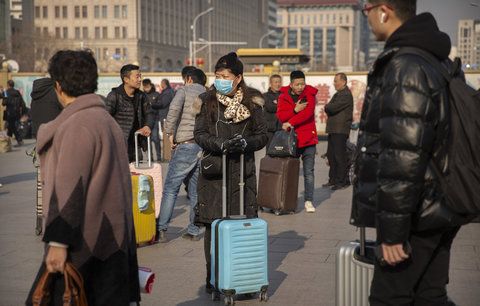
x=468 y=48
x=333 y=33
x=156 y=34
x=5 y=30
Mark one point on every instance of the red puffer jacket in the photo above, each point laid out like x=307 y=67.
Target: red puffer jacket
x=304 y=121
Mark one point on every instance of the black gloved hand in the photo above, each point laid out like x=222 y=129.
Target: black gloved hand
x=236 y=144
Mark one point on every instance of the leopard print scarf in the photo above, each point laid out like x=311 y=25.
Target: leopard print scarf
x=235 y=111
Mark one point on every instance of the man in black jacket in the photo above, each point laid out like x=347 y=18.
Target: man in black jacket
x=15 y=108
x=152 y=97
x=270 y=108
x=130 y=108
x=340 y=112
x=45 y=105
x=404 y=127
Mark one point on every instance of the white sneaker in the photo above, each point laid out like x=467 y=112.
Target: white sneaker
x=309 y=208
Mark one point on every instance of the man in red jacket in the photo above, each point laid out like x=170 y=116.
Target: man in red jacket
x=296 y=109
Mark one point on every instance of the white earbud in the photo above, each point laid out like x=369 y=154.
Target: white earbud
x=383 y=17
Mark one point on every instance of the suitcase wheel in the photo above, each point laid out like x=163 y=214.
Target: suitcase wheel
x=229 y=300
x=263 y=296
x=215 y=295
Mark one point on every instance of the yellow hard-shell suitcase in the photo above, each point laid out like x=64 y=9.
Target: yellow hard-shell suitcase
x=144 y=221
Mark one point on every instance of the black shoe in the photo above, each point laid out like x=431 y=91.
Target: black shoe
x=191 y=237
x=327 y=185
x=161 y=236
x=19 y=144
x=339 y=187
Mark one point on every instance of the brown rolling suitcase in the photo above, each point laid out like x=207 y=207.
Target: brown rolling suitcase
x=278 y=184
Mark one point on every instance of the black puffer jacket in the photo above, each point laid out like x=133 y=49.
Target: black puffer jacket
x=123 y=108
x=254 y=131
x=404 y=123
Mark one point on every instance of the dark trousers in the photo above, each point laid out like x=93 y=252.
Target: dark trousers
x=207 y=237
x=12 y=129
x=156 y=140
x=337 y=158
x=422 y=279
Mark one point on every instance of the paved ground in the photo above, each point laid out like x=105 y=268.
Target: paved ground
x=302 y=248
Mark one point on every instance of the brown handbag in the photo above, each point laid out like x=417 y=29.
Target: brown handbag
x=74 y=294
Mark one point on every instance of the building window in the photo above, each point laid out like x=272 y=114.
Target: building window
x=38 y=30
x=118 y=54
x=331 y=46
x=340 y=19
x=45 y=31
x=318 y=44
x=97 y=32
x=57 y=12
x=96 y=11
x=117 y=32
x=125 y=53
x=57 y=32
x=305 y=35
x=77 y=32
x=85 y=32
x=104 y=32
x=77 y=11
x=64 y=12
x=295 y=19
x=37 y=12
x=65 y=32
x=124 y=32
x=104 y=11
x=105 y=53
x=84 y=11
x=321 y=18
x=116 y=11
x=292 y=38
x=124 y=11
x=347 y=19
x=45 y=11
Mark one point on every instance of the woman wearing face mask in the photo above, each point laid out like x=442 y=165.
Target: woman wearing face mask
x=231 y=121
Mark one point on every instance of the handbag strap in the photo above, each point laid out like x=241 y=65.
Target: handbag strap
x=74 y=278
x=41 y=293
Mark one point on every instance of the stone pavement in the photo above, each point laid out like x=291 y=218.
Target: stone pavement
x=302 y=248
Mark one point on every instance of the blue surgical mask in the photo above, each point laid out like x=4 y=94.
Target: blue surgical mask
x=223 y=86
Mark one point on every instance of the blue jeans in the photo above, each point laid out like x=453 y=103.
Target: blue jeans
x=183 y=165
x=156 y=140
x=308 y=160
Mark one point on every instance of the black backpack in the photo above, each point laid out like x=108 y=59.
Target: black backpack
x=460 y=182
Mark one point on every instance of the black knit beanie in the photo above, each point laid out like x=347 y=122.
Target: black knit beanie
x=230 y=61
x=296 y=74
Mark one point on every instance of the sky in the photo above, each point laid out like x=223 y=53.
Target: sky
x=448 y=12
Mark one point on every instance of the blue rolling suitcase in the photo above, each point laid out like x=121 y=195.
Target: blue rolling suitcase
x=238 y=250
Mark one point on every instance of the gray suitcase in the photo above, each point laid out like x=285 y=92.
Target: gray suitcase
x=354 y=272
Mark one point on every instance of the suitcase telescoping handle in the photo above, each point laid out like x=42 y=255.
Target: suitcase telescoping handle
x=224 y=185
x=149 y=151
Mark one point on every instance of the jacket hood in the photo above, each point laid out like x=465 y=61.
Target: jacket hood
x=48 y=130
x=309 y=90
x=41 y=88
x=421 y=32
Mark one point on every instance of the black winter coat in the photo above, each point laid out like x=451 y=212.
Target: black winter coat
x=45 y=105
x=254 y=131
x=270 y=111
x=15 y=105
x=404 y=123
x=153 y=98
x=162 y=103
x=340 y=112
x=123 y=108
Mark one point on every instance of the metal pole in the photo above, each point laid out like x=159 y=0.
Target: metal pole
x=263 y=37
x=193 y=27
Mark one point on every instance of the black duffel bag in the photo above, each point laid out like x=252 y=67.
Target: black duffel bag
x=283 y=144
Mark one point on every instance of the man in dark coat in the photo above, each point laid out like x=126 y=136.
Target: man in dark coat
x=153 y=96
x=270 y=108
x=404 y=127
x=162 y=104
x=45 y=106
x=340 y=116
x=15 y=108
x=130 y=108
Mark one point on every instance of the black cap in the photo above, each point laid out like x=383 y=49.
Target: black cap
x=296 y=74
x=230 y=61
